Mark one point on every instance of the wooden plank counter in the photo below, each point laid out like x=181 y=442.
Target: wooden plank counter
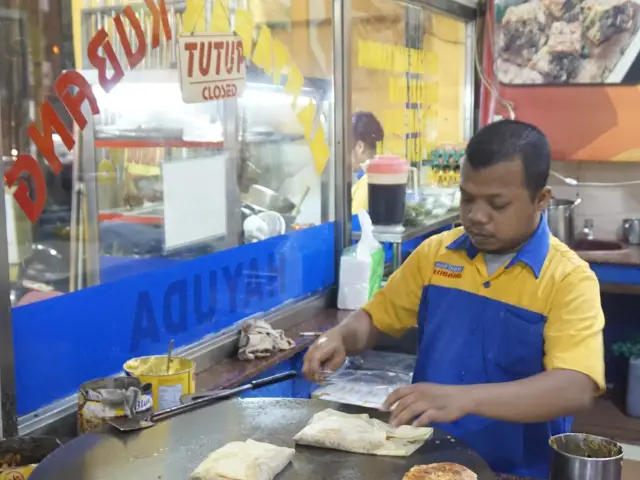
x=617 y=270
x=233 y=372
x=630 y=255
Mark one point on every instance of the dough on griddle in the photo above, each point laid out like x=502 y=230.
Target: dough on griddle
x=248 y=460
x=361 y=434
x=440 y=471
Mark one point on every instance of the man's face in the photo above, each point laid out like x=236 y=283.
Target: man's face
x=358 y=156
x=496 y=208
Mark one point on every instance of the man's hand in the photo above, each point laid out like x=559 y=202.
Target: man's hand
x=423 y=403
x=328 y=353
x=352 y=336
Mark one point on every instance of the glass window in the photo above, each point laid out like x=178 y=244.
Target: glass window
x=158 y=219
x=412 y=96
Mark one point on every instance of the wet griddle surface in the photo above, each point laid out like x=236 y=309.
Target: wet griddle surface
x=173 y=449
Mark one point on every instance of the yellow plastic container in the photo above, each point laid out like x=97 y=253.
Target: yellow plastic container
x=167 y=388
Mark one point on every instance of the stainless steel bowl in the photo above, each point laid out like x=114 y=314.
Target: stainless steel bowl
x=578 y=456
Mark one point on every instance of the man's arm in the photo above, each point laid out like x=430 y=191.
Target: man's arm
x=392 y=310
x=358 y=332
x=548 y=395
x=540 y=398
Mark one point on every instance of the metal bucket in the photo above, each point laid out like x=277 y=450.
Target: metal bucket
x=560 y=219
x=167 y=387
x=578 y=456
x=93 y=415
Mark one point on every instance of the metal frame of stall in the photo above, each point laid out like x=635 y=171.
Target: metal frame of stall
x=8 y=415
x=339 y=202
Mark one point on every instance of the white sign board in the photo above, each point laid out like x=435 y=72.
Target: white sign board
x=211 y=67
x=195 y=200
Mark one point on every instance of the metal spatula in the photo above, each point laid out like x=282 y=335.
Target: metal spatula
x=203 y=399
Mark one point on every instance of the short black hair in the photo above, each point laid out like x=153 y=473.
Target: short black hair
x=367 y=129
x=506 y=140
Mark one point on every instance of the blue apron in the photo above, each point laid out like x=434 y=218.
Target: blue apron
x=463 y=340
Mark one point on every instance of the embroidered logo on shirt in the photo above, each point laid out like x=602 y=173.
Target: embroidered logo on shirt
x=444 y=269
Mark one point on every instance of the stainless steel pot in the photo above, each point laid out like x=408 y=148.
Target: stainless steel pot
x=578 y=456
x=631 y=230
x=267 y=199
x=560 y=219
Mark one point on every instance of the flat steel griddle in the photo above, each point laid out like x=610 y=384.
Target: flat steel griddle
x=173 y=449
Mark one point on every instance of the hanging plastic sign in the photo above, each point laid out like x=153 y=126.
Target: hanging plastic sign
x=211 y=67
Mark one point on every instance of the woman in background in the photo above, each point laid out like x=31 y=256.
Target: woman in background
x=366 y=133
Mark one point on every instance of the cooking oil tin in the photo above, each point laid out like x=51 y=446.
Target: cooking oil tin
x=167 y=385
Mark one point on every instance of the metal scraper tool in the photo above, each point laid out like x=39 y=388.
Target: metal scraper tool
x=125 y=424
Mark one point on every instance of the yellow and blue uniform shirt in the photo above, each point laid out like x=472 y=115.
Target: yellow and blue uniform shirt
x=360 y=193
x=540 y=311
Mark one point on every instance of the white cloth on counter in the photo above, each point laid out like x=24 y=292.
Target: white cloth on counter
x=248 y=460
x=258 y=339
x=361 y=434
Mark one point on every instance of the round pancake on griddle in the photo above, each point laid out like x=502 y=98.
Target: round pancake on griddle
x=440 y=471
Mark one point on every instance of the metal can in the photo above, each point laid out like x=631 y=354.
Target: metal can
x=93 y=415
x=578 y=456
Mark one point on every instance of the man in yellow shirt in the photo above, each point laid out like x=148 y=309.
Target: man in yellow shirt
x=509 y=318
x=366 y=133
